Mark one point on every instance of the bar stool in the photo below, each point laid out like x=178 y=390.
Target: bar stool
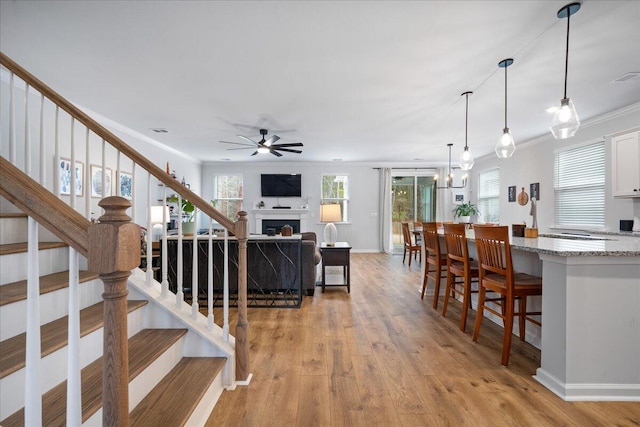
x=497 y=275
x=459 y=265
x=436 y=260
x=409 y=246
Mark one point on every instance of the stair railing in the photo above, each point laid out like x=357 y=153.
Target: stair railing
x=80 y=185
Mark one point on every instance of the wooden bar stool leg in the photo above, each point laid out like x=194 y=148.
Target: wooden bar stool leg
x=508 y=331
x=479 y=314
x=465 y=303
x=436 y=294
x=427 y=270
x=522 y=318
x=450 y=280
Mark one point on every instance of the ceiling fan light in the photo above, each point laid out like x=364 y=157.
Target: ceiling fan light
x=565 y=121
x=263 y=150
x=505 y=146
x=466 y=160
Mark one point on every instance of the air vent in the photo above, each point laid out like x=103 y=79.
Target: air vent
x=628 y=77
x=159 y=130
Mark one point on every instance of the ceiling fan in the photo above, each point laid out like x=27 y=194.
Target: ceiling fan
x=266 y=145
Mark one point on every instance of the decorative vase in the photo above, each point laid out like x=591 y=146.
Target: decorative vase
x=188 y=228
x=464 y=219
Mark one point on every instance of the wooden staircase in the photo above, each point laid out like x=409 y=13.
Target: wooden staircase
x=165 y=387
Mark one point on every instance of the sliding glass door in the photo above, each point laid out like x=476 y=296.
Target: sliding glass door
x=413 y=198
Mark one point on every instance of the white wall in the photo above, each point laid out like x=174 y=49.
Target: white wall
x=533 y=162
x=362 y=229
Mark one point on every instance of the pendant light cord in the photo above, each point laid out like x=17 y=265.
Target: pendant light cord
x=505 y=95
x=566 y=61
x=466 y=121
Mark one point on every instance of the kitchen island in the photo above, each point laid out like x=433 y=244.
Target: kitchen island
x=590 y=340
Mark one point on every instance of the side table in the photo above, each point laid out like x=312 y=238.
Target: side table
x=337 y=255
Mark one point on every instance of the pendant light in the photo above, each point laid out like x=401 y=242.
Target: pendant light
x=449 y=179
x=565 y=121
x=466 y=159
x=505 y=146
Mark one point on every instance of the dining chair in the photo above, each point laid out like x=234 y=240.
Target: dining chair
x=417 y=232
x=497 y=275
x=436 y=262
x=461 y=270
x=409 y=246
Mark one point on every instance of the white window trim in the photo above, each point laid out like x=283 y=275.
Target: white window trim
x=479 y=197
x=345 y=199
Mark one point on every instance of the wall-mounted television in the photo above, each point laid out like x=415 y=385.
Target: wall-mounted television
x=281 y=185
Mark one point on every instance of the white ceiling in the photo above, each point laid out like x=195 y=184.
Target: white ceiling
x=354 y=80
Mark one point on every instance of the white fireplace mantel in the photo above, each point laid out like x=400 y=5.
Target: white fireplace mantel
x=284 y=214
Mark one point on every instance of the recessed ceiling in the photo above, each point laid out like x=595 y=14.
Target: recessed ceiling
x=355 y=80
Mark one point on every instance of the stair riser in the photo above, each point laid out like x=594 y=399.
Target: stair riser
x=148 y=379
x=53 y=305
x=13 y=267
x=53 y=368
x=14 y=230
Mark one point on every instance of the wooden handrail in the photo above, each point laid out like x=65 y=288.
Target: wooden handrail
x=37 y=202
x=117 y=143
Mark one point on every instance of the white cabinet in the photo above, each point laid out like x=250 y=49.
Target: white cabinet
x=625 y=168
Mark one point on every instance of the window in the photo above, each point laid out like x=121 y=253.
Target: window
x=489 y=196
x=335 y=189
x=578 y=185
x=228 y=195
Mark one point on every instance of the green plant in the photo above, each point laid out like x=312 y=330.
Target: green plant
x=465 y=209
x=188 y=209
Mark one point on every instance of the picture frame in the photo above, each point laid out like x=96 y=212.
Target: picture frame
x=64 y=168
x=457 y=198
x=534 y=190
x=125 y=183
x=512 y=193
x=96 y=182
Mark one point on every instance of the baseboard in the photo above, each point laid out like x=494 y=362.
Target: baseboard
x=588 y=392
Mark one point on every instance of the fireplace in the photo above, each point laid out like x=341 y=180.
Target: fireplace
x=277 y=224
x=283 y=216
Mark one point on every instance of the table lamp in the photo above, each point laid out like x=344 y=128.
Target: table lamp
x=158 y=215
x=330 y=214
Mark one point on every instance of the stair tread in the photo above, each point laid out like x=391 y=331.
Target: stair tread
x=53 y=336
x=173 y=400
x=144 y=348
x=16 y=248
x=17 y=291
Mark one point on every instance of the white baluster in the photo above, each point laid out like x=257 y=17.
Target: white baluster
x=133 y=194
x=72 y=201
x=87 y=179
x=225 y=313
x=194 y=269
x=56 y=154
x=179 y=291
x=33 y=400
x=43 y=170
x=118 y=174
x=164 y=286
x=103 y=165
x=27 y=133
x=12 y=122
x=74 y=390
x=149 y=234
x=210 y=278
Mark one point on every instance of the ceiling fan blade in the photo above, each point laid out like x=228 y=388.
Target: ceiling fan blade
x=271 y=140
x=254 y=153
x=237 y=143
x=247 y=139
x=291 y=144
x=275 y=153
x=242 y=148
x=288 y=150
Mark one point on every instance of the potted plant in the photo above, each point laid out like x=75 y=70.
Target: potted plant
x=188 y=212
x=464 y=211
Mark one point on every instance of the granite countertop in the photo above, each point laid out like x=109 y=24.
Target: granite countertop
x=576 y=245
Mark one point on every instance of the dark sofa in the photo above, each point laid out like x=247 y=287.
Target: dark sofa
x=310 y=258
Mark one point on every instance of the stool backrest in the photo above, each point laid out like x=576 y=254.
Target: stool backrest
x=431 y=239
x=456 y=240
x=494 y=251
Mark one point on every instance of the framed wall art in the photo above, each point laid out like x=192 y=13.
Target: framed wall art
x=96 y=182
x=534 y=190
x=125 y=183
x=64 y=167
x=512 y=193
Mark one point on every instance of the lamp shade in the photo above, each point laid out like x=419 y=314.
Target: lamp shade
x=329 y=214
x=565 y=122
x=157 y=213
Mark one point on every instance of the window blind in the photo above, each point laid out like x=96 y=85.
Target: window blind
x=489 y=195
x=579 y=185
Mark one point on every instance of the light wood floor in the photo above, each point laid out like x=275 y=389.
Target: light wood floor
x=381 y=356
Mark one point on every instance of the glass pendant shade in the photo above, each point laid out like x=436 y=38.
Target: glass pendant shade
x=565 y=121
x=505 y=146
x=466 y=160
